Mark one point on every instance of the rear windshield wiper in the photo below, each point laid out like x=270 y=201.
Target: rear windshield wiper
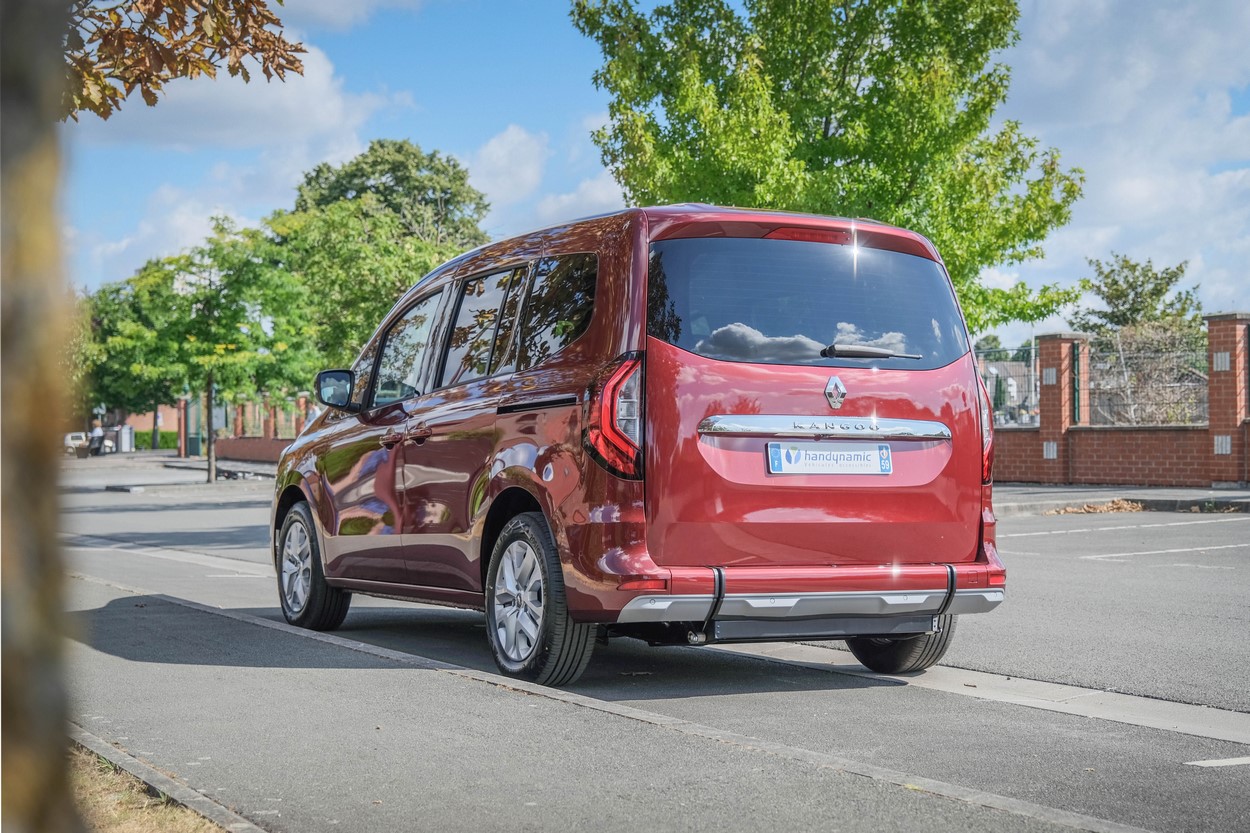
x=863 y=351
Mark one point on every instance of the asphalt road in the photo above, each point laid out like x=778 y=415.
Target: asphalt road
x=304 y=734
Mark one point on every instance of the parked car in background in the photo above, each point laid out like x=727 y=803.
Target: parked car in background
x=76 y=443
x=685 y=424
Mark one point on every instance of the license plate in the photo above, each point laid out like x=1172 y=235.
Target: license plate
x=830 y=458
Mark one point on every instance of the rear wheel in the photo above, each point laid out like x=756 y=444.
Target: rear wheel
x=307 y=600
x=906 y=654
x=527 y=619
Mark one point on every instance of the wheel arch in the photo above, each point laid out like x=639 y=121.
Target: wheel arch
x=292 y=494
x=509 y=503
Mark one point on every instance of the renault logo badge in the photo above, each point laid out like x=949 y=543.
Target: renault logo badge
x=835 y=392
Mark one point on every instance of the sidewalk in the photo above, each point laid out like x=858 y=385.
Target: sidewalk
x=1012 y=499
x=228 y=469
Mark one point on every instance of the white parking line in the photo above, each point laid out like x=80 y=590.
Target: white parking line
x=1083 y=530
x=1186 y=719
x=1220 y=762
x=1109 y=556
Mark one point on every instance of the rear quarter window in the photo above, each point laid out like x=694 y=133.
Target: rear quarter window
x=559 y=306
x=782 y=301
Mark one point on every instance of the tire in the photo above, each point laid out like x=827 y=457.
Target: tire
x=904 y=655
x=528 y=625
x=307 y=600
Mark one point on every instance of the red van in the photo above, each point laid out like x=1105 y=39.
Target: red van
x=684 y=424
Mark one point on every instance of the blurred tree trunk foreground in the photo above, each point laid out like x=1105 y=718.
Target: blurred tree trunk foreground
x=36 y=790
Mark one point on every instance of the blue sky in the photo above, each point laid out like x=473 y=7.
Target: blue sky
x=1152 y=99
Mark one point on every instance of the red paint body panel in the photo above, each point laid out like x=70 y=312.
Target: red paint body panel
x=711 y=500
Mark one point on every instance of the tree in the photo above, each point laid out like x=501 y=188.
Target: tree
x=224 y=288
x=355 y=259
x=114 y=48
x=429 y=193
x=990 y=348
x=855 y=107
x=1135 y=293
x=1148 y=363
x=1024 y=353
x=136 y=326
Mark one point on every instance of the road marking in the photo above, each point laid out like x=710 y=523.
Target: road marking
x=1147 y=712
x=955 y=792
x=237 y=565
x=233 y=575
x=1221 y=762
x=1107 y=556
x=1120 y=528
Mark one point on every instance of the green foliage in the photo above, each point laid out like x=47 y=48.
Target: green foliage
x=990 y=348
x=1024 y=353
x=354 y=259
x=429 y=192
x=167 y=440
x=869 y=108
x=136 y=324
x=1133 y=294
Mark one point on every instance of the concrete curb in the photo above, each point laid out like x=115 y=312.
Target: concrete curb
x=180 y=793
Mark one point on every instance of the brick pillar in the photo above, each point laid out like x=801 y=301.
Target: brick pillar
x=1228 y=401
x=1063 y=361
x=238 y=420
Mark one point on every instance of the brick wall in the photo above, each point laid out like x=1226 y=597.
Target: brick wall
x=1064 y=448
x=253 y=449
x=1140 y=456
x=1017 y=455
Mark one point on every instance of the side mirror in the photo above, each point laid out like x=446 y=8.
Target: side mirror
x=334 y=389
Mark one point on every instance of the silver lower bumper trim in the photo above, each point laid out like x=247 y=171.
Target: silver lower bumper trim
x=695 y=608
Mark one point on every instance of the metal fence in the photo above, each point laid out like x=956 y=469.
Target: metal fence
x=1147 y=388
x=1012 y=381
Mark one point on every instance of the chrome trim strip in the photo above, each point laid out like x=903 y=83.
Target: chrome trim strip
x=788 y=605
x=799 y=425
x=977 y=601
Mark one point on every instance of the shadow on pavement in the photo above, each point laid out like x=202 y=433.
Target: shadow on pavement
x=220 y=537
x=152 y=630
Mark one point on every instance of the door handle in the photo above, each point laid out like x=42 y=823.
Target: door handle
x=390 y=439
x=419 y=433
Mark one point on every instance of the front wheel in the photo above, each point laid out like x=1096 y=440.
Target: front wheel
x=527 y=619
x=906 y=654
x=307 y=600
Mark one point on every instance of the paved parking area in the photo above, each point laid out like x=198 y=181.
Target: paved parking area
x=277 y=722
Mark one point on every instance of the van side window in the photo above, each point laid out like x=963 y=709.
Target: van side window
x=363 y=368
x=403 y=353
x=559 y=306
x=503 y=358
x=473 y=335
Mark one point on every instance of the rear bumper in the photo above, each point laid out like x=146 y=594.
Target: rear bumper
x=801 y=606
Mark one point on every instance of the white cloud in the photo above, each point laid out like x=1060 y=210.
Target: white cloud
x=596 y=195
x=278 y=131
x=335 y=14
x=509 y=167
x=225 y=112
x=1144 y=97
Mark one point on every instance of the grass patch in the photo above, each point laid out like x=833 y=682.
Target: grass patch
x=112 y=800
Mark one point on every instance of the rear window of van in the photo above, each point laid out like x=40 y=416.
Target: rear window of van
x=782 y=301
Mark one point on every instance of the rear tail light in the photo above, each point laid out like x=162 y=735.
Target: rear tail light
x=987 y=436
x=613 y=433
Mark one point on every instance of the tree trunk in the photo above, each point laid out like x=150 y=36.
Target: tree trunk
x=33 y=326
x=212 y=446
x=156 y=426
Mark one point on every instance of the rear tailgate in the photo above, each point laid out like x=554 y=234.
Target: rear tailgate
x=712 y=501
x=749 y=464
